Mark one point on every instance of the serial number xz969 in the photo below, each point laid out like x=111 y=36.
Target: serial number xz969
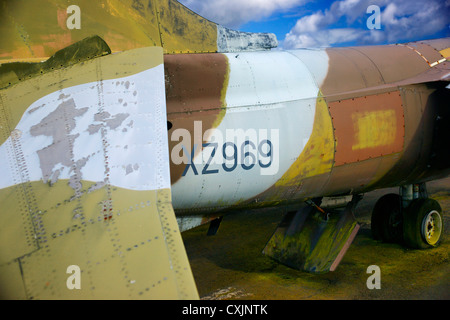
x=230 y=156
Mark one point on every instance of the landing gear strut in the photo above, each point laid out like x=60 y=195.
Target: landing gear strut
x=410 y=218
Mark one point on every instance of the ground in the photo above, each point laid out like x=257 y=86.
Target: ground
x=230 y=265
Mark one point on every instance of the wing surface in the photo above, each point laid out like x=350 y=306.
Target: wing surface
x=85 y=199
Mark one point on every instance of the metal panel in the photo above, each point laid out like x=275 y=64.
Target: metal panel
x=352 y=178
x=421 y=112
x=395 y=62
x=438 y=44
x=428 y=53
x=196 y=85
x=343 y=75
x=88 y=183
x=35 y=30
x=367 y=127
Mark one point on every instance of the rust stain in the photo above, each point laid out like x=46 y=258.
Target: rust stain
x=53 y=42
x=61 y=15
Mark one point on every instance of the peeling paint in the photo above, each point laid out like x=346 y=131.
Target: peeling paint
x=112 y=122
x=128 y=169
x=58 y=125
x=96 y=186
x=63 y=187
x=237 y=41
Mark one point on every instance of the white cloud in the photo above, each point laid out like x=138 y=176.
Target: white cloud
x=403 y=20
x=400 y=20
x=234 y=13
x=311 y=23
x=321 y=38
x=337 y=22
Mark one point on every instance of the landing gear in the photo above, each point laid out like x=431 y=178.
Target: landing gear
x=410 y=218
x=387 y=219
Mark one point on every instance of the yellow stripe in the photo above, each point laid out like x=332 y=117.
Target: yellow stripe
x=317 y=156
x=32 y=29
x=445 y=53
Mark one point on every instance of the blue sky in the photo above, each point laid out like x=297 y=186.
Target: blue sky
x=319 y=23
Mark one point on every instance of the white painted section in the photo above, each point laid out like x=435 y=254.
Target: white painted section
x=268 y=78
x=189 y=222
x=133 y=125
x=267 y=92
x=316 y=60
x=229 y=40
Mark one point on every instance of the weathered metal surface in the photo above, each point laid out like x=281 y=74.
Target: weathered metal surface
x=367 y=127
x=438 y=44
x=261 y=104
x=360 y=72
x=78 y=187
x=35 y=30
x=246 y=129
x=307 y=240
x=237 y=41
x=392 y=63
x=427 y=52
x=187 y=222
x=309 y=173
x=365 y=122
x=195 y=90
x=427 y=124
x=297 y=101
x=395 y=62
x=352 y=178
x=86 y=49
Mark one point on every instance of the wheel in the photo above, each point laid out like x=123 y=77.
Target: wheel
x=423 y=224
x=387 y=219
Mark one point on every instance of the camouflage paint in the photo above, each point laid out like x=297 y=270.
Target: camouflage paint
x=79 y=189
x=367 y=127
x=361 y=127
x=189 y=101
x=268 y=101
x=295 y=92
x=35 y=30
x=43 y=85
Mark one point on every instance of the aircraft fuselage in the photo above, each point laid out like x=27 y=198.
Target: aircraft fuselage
x=263 y=128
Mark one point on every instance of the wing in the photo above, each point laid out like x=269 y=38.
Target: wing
x=85 y=193
x=32 y=30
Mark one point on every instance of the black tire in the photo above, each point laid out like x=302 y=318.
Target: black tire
x=387 y=219
x=423 y=224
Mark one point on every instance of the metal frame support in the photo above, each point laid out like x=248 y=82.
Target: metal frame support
x=409 y=192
